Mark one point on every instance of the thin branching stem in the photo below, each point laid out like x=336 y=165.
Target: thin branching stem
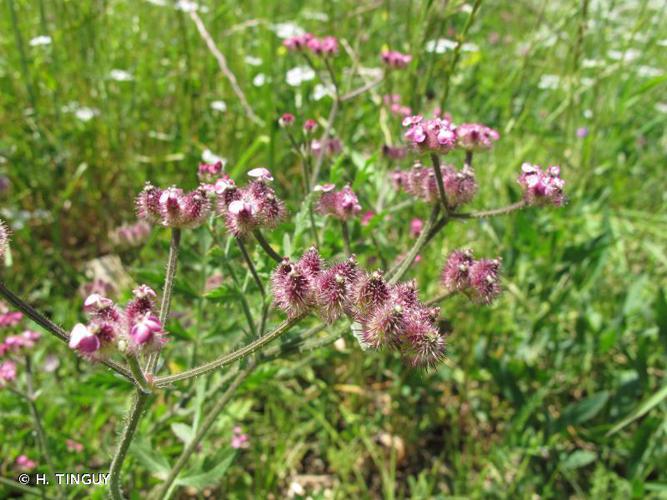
x=212 y=416
x=483 y=214
x=172 y=264
x=227 y=359
x=250 y=265
x=361 y=90
x=139 y=376
x=51 y=327
x=438 y=179
x=133 y=417
x=266 y=246
x=440 y=297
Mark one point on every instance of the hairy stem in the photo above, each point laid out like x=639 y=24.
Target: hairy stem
x=172 y=264
x=139 y=376
x=250 y=265
x=361 y=90
x=325 y=136
x=37 y=418
x=51 y=327
x=204 y=427
x=439 y=298
x=468 y=160
x=133 y=418
x=346 y=238
x=227 y=359
x=28 y=490
x=438 y=178
x=266 y=246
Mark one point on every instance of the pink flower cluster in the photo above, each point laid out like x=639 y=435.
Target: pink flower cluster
x=325 y=46
x=326 y=147
x=440 y=135
x=389 y=316
x=252 y=207
x=460 y=185
x=240 y=439
x=394 y=59
x=343 y=204
x=172 y=207
x=130 y=235
x=7 y=372
x=25 y=464
x=13 y=344
x=208 y=172
x=477 y=278
x=542 y=187
x=288 y=119
x=394 y=152
x=132 y=330
x=10 y=318
x=393 y=102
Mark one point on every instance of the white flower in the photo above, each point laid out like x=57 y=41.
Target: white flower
x=469 y=47
x=120 y=75
x=159 y=3
x=287 y=30
x=648 y=72
x=663 y=42
x=296 y=76
x=661 y=107
x=588 y=114
x=320 y=91
x=440 y=46
x=219 y=106
x=259 y=80
x=628 y=55
x=209 y=156
x=187 y=6
x=549 y=82
x=253 y=61
x=40 y=40
x=86 y=114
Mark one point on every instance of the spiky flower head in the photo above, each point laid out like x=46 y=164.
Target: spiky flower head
x=298 y=42
x=370 y=292
x=436 y=135
x=172 y=207
x=542 y=187
x=485 y=280
x=343 y=204
x=286 y=120
x=292 y=289
x=146 y=334
x=474 y=136
x=148 y=203
x=309 y=125
x=456 y=273
x=460 y=185
x=334 y=287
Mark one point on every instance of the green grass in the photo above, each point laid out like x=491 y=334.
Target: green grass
x=535 y=388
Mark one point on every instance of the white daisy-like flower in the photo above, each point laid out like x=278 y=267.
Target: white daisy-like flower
x=440 y=46
x=220 y=106
x=120 y=75
x=296 y=76
x=41 y=40
x=259 y=80
x=287 y=30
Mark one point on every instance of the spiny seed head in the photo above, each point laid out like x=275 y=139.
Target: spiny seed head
x=485 y=280
x=456 y=273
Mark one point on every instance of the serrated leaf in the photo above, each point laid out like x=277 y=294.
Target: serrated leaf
x=212 y=476
x=182 y=432
x=153 y=460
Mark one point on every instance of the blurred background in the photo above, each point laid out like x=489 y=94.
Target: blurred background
x=557 y=390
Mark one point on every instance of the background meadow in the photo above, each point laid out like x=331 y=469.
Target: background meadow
x=557 y=390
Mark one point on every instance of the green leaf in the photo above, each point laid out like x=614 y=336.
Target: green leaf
x=153 y=460
x=183 y=432
x=641 y=410
x=212 y=476
x=579 y=458
x=584 y=410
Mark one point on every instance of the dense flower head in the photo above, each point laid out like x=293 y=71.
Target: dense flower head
x=436 y=135
x=251 y=207
x=325 y=46
x=394 y=59
x=416 y=226
x=309 y=125
x=388 y=316
x=474 y=136
x=133 y=329
x=343 y=204
x=172 y=207
x=10 y=318
x=24 y=463
x=4 y=239
x=460 y=185
x=15 y=343
x=286 y=120
x=394 y=152
x=240 y=440
x=130 y=235
x=208 y=172
x=542 y=187
x=479 y=279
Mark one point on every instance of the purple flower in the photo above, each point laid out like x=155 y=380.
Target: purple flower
x=286 y=120
x=172 y=207
x=239 y=438
x=83 y=340
x=395 y=60
x=309 y=125
x=298 y=42
x=456 y=274
x=147 y=333
x=326 y=147
x=542 y=187
x=484 y=280
x=334 y=287
x=343 y=204
x=582 y=132
x=25 y=464
x=292 y=288
x=394 y=152
x=460 y=185
x=416 y=226
x=208 y=172
x=436 y=135
x=474 y=136
x=7 y=372
x=131 y=235
x=11 y=318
